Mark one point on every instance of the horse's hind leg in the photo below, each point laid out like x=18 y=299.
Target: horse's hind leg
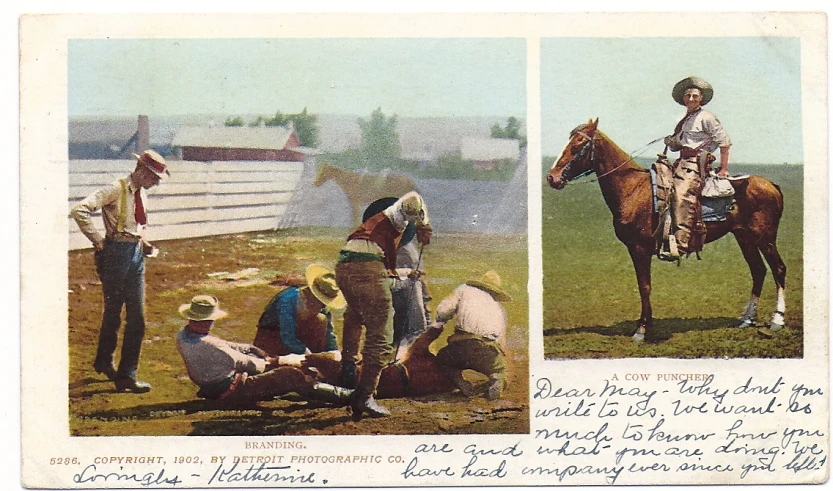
x=779 y=274
x=758 y=272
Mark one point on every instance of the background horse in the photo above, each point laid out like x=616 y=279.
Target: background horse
x=362 y=188
x=626 y=188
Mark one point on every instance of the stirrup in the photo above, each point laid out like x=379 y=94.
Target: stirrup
x=672 y=253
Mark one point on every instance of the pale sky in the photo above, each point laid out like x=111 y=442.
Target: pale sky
x=408 y=77
x=627 y=82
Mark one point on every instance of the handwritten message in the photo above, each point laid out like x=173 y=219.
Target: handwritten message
x=676 y=428
x=647 y=428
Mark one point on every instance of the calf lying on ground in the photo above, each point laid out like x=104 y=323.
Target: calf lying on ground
x=416 y=373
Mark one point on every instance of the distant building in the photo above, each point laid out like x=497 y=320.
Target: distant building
x=218 y=143
x=488 y=152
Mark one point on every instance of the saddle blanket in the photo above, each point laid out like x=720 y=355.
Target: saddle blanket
x=713 y=209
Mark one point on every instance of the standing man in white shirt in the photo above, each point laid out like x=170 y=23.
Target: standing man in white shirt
x=120 y=264
x=479 y=334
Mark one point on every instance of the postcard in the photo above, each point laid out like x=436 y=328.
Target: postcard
x=410 y=250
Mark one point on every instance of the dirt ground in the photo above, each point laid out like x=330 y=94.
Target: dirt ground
x=244 y=271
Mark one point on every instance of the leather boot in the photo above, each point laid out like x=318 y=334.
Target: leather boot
x=466 y=387
x=347 y=378
x=495 y=388
x=331 y=393
x=363 y=402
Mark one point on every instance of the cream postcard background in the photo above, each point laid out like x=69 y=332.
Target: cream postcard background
x=43 y=181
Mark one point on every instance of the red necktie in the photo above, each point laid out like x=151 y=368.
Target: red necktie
x=140 y=215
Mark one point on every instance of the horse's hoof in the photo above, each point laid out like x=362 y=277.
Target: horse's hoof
x=777 y=322
x=638 y=338
x=746 y=323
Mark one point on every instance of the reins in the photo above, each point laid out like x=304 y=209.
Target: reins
x=591 y=143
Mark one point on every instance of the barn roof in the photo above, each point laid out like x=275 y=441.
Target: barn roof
x=260 y=137
x=489 y=149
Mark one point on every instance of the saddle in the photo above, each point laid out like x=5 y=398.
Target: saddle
x=713 y=203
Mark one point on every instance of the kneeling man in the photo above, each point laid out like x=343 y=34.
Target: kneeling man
x=478 y=336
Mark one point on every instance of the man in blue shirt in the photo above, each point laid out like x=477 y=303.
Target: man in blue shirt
x=298 y=320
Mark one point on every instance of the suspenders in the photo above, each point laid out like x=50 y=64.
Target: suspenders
x=122 y=206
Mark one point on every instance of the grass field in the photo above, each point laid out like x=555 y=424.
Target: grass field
x=184 y=268
x=591 y=301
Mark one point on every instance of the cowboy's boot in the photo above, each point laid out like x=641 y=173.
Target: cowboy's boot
x=495 y=388
x=347 y=378
x=466 y=387
x=331 y=393
x=363 y=402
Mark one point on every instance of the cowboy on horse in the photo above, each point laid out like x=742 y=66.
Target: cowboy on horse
x=696 y=136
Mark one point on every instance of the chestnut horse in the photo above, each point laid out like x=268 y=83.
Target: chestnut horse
x=362 y=188
x=416 y=374
x=626 y=188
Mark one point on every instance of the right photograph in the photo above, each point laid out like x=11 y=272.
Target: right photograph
x=672 y=201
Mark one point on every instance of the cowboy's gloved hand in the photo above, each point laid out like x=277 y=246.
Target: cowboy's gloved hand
x=336 y=354
x=424 y=234
x=673 y=143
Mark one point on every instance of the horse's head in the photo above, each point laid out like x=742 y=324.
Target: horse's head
x=322 y=176
x=576 y=159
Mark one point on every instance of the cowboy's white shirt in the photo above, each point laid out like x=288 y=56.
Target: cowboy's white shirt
x=477 y=312
x=704 y=127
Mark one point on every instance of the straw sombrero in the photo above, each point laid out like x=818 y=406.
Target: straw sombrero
x=490 y=282
x=155 y=162
x=322 y=283
x=692 y=82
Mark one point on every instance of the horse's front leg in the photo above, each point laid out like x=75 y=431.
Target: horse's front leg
x=641 y=257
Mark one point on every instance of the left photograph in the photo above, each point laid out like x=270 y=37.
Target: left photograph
x=297 y=236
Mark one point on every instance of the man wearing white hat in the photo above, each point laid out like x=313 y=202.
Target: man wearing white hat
x=696 y=136
x=480 y=329
x=240 y=372
x=119 y=259
x=299 y=320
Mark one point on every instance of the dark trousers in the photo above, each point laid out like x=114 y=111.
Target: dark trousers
x=121 y=268
x=268 y=385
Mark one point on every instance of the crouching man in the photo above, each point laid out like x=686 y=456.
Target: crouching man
x=478 y=336
x=239 y=372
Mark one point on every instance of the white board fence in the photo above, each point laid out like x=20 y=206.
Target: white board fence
x=199 y=199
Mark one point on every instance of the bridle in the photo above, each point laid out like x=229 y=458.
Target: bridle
x=589 y=145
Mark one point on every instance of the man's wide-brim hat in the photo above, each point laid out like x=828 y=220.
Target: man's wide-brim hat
x=202 y=308
x=322 y=283
x=490 y=282
x=155 y=162
x=692 y=82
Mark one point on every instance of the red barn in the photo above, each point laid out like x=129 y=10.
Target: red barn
x=217 y=143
